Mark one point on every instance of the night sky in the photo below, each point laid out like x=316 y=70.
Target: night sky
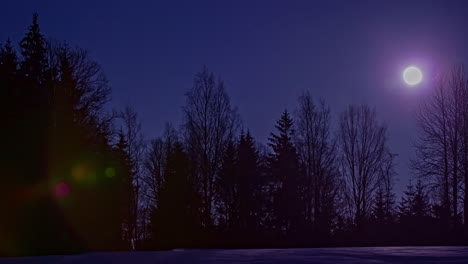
x=267 y=52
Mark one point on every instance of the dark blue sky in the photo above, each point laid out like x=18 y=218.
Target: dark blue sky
x=266 y=51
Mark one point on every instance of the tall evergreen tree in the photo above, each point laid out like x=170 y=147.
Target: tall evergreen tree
x=175 y=222
x=33 y=52
x=239 y=189
x=11 y=157
x=61 y=155
x=37 y=216
x=228 y=190
x=414 y=215
x=405 y=205
x=284 y=169
x=8 y=58
x=248 y=171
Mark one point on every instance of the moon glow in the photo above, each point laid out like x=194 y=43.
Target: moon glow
x=412 y=75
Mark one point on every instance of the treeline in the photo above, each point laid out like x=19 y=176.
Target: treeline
x=78 y=177
x=65 y=182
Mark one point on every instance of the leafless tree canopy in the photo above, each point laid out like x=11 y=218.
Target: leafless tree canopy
x=210 y=122
x=317 y=154
x=134 y=224
x=91 y=88
x=441 y=152
x=155 y=164
x=364 y=157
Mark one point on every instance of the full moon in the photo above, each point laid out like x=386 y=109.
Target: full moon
x=412 y=75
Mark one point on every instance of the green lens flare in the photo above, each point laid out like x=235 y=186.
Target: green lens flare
x=110 y=172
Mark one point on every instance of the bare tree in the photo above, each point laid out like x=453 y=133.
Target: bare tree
x=210 y=122
x=364 y=157
x=155 y=164
x=456 y=83
x=316 y=149
x=441 y=150
x=91 y=91
x=431 y=151
x=154 y=169
x=464 y=149
x=135 y=149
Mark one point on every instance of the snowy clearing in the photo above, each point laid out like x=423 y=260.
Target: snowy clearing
x=312 y=255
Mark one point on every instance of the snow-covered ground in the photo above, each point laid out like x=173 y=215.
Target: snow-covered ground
x=446 y=255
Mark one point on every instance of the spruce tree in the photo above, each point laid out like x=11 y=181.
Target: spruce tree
x=228 y=189
x=33 y=52
x=248 y=171
x=8 y=58
x=284 y=169
x=405 y=206
x=175 y=222
x=420 y=206
x=414 y=218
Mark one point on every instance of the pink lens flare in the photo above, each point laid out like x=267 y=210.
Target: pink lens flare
x=62 y=190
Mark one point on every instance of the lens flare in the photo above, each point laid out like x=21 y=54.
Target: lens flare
x=79 y=173
x=110 y=172
x=62 y=190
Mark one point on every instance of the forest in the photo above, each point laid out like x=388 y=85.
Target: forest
x=78 y=176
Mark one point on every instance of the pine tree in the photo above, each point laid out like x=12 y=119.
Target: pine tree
x=39 y=217
x=379 y=212
x=9 y=101
x=405 y=206
x=248 y=170
x=8 y=58
x=228 y=189
x=58 y=133
x=33 y=93
x=11 y=159
x=33 y=51
x=415 y=202
x=414 y=215
x=383 y=210
x=175 y=222
x=284 y=169
x=420 y=206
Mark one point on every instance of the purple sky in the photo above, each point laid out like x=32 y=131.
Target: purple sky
x=266 y=51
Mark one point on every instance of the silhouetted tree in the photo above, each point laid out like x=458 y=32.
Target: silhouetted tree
x=34 y=215
x=79 y=180
x=364 y=155
x=12 y=157
x=210 y=123
x=464 y=151
x=414 y=215
x=384 y=208
x=8 y=59
x=135 y=149
x=228 y=190
x=250 y=196
x=33 y=52
x=155 y=162
x=175 y=221
x=62 y=155
x=317 y=153
x=440 y=156
x=285 y=173
x=240 y=190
